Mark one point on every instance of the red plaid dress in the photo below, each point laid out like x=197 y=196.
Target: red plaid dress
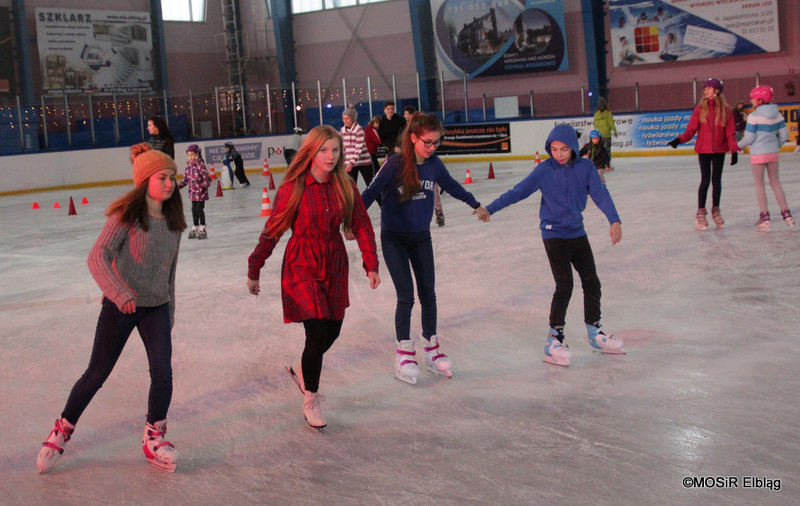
x=314 y=275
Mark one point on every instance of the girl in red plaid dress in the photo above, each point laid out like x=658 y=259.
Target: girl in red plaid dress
x=317 y=200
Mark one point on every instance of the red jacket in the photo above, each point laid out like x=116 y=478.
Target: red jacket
x=314 y=276
x=711 y=138
x=372 y=139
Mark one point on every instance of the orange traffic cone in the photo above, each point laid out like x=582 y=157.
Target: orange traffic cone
x=211 y=173
x=85 y=200
x=56 y=205
x=71 y=208
x=219 y=189
x=491 y=171
x=271 y=182
x=468 y=180
x=266 y=168
x=538 y=158
x=266 y=206
x=35 y=205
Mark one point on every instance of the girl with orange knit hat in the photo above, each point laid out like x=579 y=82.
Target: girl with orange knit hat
x=133 y=262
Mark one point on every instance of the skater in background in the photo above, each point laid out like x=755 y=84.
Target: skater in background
x=712 y=121
x=739 y=119
x=161 y=138
x=372 y=140
x=597 y=153
x=765 y=134
x=133 y=263
x=292 y=145
x=196 y=176
x=405 y=184
x=316 y=199
x=604 y=123
x=233 y=156
x=356 y=156
x=564 y=180
x=390 y=127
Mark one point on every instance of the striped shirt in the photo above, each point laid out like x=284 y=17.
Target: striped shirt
x=355 y=148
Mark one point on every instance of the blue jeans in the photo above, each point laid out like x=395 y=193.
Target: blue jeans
x=564 y=254
x=113 y=329
x=403 y=252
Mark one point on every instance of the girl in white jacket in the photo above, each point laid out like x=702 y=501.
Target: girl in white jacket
x=765 y=133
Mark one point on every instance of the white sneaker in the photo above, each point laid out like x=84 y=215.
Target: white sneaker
x=312 y=410
x=603 y=343
x=53 y=448
x=437 y=362
x=158 y=451
x=405 y=363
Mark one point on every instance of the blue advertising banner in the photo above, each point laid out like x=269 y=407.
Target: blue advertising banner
x=663 y=31
x=501 y=37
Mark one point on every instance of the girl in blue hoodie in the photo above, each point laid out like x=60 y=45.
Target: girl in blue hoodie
x=405 y=185
x=765 y=133
x=565 y=179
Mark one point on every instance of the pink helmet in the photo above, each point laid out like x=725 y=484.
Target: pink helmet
x=763 y=92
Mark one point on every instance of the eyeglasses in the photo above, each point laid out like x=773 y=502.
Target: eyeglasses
x=428 y=144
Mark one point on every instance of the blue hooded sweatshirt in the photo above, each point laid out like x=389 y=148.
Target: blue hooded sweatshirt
x=564 y=189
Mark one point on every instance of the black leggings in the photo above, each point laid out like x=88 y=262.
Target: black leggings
x=320 y=335
x=710 y=172
x=564 y=254
x=198 y=213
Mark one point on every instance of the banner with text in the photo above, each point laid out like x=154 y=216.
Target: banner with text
x=499 y=37
x=663 y=31
x=476 y=139
x=84 y=51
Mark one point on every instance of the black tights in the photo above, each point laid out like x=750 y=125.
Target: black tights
x=707 y=175
x=320 y=335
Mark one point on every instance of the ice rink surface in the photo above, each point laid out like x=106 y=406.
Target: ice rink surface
x=707 y=390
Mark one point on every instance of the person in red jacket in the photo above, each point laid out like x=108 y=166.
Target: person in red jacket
x=712 y=121
x=317 y=200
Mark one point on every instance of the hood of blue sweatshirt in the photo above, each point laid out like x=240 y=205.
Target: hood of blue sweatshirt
x=767 y=110
x=565 y=134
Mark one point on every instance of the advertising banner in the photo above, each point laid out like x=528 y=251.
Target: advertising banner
x=83 y=50
x=476 y=139
x=664 y=31
x=500 y=37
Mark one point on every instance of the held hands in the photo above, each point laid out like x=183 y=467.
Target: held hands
x=615 y=233
x=734 y=158
x=374 y=280
x=349 y=234
x=674 y=143
x=482 y=213
x=253 y=286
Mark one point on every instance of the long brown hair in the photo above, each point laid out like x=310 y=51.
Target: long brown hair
x=296 y=176
x=721 y=111
x=132 y=207
x=408 y=177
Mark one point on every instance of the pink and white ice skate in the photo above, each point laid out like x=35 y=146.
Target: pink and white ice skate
x=158 y=451
x=53 y=448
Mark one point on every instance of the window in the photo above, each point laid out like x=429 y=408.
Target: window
x=183 y=10
x=300 y=6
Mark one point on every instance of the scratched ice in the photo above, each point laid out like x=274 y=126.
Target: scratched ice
x=708 y=388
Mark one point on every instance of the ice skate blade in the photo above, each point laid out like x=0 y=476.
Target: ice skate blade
x=620 y=351
x=317 y=428
x=553 y=361
x=447 y=374
x=295 y=378
x=406 y=379
x=163 y=465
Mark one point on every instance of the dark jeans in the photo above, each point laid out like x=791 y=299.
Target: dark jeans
x=402 y=253
x=366 y=172
x=563 y=254
x=113 y=329
x=198 y=213
x=710 y=172
x=320 y=336
x=240 y=175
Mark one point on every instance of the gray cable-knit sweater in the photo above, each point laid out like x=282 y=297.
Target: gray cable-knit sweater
x=129 y=263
